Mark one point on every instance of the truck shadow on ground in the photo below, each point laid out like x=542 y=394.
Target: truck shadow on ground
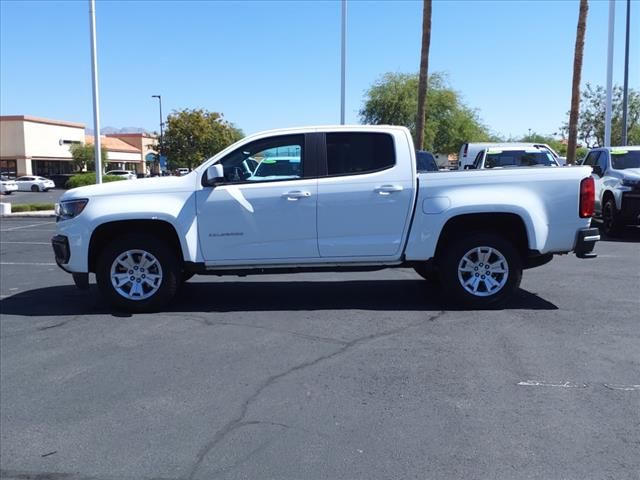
x=249 y=296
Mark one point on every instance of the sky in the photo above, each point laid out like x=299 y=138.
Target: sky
x=271 y=64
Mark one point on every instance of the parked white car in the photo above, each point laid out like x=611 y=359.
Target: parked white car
x=506 y=157
x=7 y=186
x=34 y=184
x=128 y=174
x=616 y=171
x=469 y=151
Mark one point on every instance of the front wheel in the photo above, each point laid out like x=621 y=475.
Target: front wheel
x=138 y=273
x=34 y=188
x=610 y=222
x=480 y=270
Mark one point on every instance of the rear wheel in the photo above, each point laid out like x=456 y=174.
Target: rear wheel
x=610 y=223
x=480 y=270
x=138 y=273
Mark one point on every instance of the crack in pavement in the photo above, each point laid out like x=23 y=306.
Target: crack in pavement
x=239 y=421
x=313 y=338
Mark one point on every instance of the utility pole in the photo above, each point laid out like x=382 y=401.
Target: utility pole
x=625 y=91
x=96 y=101
x=160 y=149
x=607 y=114
x=343 y=60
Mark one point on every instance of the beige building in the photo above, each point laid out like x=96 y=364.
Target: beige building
x=40 y=146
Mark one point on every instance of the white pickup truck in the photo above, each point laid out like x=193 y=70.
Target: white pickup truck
x=339 y=198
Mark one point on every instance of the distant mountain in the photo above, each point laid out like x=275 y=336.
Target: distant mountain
x=112 y=130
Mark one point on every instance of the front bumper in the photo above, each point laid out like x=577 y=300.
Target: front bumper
x=585 y=242
x=630 y=211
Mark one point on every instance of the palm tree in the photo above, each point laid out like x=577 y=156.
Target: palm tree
x=424 y=75
x=575 y=87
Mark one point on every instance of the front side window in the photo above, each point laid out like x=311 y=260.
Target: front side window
x=268 y=160
x=622 y=159
x=357 y=153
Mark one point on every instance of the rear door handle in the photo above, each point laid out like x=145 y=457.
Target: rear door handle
x=388 y=189
x=296 y=194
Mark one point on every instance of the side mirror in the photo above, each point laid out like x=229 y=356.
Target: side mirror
x=597 y=170
x=213 y=175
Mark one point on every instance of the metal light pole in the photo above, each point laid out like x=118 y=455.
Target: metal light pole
x=625 y=91
x=96 y=102
x=607 y=114
x=344 y=60
x=159 y=97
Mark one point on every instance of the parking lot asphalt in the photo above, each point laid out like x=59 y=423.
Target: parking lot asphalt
x=320 y=376
x=21 y=198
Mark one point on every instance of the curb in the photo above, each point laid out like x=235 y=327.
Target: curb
x=40 y=214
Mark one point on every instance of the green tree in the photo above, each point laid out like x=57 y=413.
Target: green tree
x=191 y=136
x=393 y=100
x=592 y=114
x=83 y=156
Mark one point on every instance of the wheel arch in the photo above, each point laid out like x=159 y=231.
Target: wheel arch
x=509 y=225
x=160 y=229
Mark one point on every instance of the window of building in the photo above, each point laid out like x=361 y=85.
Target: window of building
x=46 y=168
x=9 y=168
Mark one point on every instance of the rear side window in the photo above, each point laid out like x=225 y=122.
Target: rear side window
x=355 y=153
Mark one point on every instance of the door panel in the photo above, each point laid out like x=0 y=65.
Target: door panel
x=362 y=215
x=270 y=220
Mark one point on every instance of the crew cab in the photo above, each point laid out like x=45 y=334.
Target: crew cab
x=348 y=199
x=503 y=157
x=616 y=171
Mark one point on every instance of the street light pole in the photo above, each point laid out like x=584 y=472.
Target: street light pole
x=159 y=97
x=96 y=103
x=343 y=60
x=625 y=91
x=607 y=112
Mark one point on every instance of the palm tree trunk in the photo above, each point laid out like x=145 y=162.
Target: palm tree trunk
x=424 y=75
x=575 y=87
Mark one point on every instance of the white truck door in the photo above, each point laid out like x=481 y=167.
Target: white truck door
x=365 y=200
x=265 y=208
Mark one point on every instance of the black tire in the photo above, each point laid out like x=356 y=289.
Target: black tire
x=610 y=223
x=186 y=276
x=34 y=188
x=502 y=251
x=158 y=295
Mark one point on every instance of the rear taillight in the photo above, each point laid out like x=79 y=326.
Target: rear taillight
x=466 y=150
x=587 y=197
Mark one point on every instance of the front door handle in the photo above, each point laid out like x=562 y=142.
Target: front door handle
x=296 y=194
x=388 y=189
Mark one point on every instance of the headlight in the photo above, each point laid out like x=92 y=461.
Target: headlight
x=627 y=182
x=70 y=209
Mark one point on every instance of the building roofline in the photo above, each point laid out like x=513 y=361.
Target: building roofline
x=132 y=135
x=46 y=121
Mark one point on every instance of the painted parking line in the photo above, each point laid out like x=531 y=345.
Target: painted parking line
x=626 y=388
x=29 y=263
x=535 y=383
x=25 y=243
x=26 y=226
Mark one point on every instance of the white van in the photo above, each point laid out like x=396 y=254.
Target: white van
x=469 y=151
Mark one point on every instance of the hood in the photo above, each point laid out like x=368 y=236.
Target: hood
x=134 y=187
x=631 y=173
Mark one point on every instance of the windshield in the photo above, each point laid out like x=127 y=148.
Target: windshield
x=518 y=158
x=621 y=159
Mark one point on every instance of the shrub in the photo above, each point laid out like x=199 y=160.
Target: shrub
x=31 y=207
x=89 y=178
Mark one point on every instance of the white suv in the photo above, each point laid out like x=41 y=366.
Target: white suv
x=616 y=171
